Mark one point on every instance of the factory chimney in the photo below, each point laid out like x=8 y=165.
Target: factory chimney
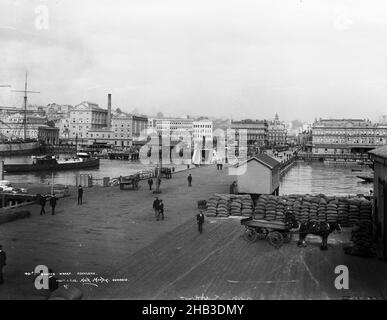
x=109 y=115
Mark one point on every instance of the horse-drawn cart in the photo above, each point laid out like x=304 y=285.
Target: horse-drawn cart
x=275 y=232
x=132 y=181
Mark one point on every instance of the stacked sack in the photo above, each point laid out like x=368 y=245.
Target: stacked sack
x=362 y=232
x=313 y=208
x=343 y=209
x=260 y=207
x=332 y=211
x=235 y=206
x=297 y=209
x=212 y=203
x=247 y=206
x=353 y=212
x=304 y=213
x=271 y=208
x=280 y=211
x=222 y=210
x=322 y=211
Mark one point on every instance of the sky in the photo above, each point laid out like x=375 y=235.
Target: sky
x=302 y=59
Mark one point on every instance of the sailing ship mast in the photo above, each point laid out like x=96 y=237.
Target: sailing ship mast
x=25 y=91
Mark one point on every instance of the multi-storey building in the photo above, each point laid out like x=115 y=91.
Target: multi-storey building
x=122 y=125
x=347 y=136
x=202 y=132
x=84 y=117
x=12 y=126
x=174 y=128
x=257 y=131
x=63 y=124
x=277 y=133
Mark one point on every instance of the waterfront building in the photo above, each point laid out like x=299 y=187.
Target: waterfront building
x=345 y=136
x=257 y=131
x=84 y=117
x=48 y=135
x=276 y=133
x=122 y=128
x=12 y=126
x=175 y=128
x=202 y=131
x=379 y=156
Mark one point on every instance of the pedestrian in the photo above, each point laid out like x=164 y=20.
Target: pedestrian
x=53 y=203
x=150 y=183
x=200 y=221
x=161 y=209
x=156 y=207
x=42 y=201
x=80 y=195
x=3 y=263
x=159 y=181
x=189 y=180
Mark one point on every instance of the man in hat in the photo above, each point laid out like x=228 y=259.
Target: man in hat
x=53 y=203
x=80 y=194
x=200 y=221
x=150 y=183
x=161 y=210
x=3 y=263
x=42 y=202
x=156 y=207
x=189 y=180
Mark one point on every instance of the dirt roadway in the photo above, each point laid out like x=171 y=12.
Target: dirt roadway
x=110 y=226
x=220 y=264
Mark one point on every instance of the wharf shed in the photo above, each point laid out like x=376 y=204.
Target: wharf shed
x=259 y=175
x=379 y=157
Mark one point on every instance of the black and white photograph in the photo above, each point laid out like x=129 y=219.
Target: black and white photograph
x=207 y=153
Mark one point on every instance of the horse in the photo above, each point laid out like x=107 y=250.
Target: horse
x=322 y=229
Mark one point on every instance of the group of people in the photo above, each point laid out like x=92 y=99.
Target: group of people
x=43 y=200
x=158 y=207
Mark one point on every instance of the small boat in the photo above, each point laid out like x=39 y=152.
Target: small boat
x=50 y=163
x=357 y=170
x=365 y=178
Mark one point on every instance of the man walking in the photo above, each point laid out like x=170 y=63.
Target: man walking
x=156 y=207
x=42 y=201
x=80 y=195
x=200 y=220
x=161 y=209
x=3 y=263
x=150 y=183
x=53 y=203
x=189 y=180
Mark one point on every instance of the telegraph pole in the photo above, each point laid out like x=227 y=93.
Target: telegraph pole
x=25 y=91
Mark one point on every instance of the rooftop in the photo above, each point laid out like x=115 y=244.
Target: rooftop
x=264 y=159
x=379 y=152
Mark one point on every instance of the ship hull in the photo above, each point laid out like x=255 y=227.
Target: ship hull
x=16 y=168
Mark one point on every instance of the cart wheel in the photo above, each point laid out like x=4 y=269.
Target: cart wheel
x=287 y=237
x=262 y=233
x=250 y=235
x=276 y=239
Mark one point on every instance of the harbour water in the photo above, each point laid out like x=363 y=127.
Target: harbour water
x=329 y=179
x=302 y=178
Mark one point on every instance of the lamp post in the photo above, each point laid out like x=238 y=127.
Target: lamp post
x=159 y=166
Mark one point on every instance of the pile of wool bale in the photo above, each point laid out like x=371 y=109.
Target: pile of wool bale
x=362 y=232
x=344 y=210
x=224 y=205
